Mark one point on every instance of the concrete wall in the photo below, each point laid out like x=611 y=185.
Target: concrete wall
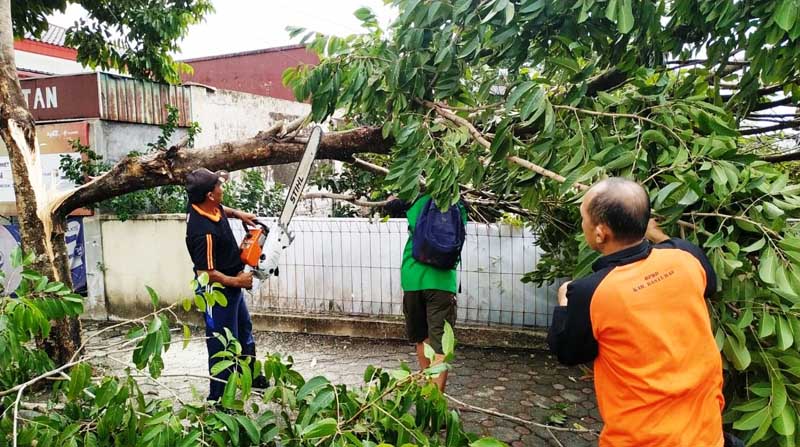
x=95 y=304
x=227 y=115
x=114 y=140
x=144 y=251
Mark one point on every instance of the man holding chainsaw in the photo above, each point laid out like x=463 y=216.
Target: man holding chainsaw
x=214 y=250
x=641 y=317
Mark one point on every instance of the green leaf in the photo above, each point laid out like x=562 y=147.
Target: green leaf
x=625 y=17
x=364 y=14
x=784 y=423
x=200 y=303
x=779 y=397
x=762 y=430
x=312 y=386
x=154 y=326
x=533 y=107
x=187 y=336
x=622 y=161
x=203 y=279
x=399 y=374
x=755 y=246
x=715 y=241
x=231 y=425
x=220 y=366
x=752 y=405
x=786 y=14
x=187 y=304
x=78 y=379
x=768 y=263
x=191 y=439
x=153 y=296
x=655 y=136
x=250 y=428
x=772 y=211
x=229 y=393
x=785 y=339
x=430 y=354
x=736 y=353
x=752 y=420
x=487 y=442
x=517 y=93
x=611 y=10
x=509 y=12
x=156 y=420
x=470 y=47
x=319 y=429
x=369 y=373
x=220 y=298
x=448 y=339
x=767 y=326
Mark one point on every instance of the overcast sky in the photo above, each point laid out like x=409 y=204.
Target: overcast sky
x=242 y=25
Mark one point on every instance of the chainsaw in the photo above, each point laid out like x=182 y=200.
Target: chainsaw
x=262 y=246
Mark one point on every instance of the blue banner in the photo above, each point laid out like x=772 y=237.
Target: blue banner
x=9 y=240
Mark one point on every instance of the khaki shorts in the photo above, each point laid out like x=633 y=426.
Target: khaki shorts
x=425 y=312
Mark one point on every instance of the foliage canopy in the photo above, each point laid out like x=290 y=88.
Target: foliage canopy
x=665 y=92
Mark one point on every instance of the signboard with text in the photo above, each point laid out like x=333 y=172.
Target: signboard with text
x=62 y=97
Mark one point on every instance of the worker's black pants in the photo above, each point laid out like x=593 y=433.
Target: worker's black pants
x=236 y=318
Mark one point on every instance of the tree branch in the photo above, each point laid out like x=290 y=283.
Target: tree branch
x=772 y=104
x=759 y=130
x=452 y=117
x=351 y=198
x=164 y=168
x=367 y=166
x=793 y=155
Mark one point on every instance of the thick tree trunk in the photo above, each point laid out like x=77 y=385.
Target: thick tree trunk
x=171 y=166
x=40 y=234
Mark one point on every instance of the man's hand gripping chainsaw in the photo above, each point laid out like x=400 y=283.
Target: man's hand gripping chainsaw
x=262 y=247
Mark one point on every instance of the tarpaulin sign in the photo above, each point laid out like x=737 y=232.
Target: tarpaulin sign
x=9 y=241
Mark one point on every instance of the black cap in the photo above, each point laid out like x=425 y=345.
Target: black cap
x=200 y=182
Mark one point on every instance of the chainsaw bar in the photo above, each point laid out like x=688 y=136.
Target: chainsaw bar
x=279 y=236
x=300 y=177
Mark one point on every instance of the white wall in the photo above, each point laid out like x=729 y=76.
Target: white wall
x=144 y=251
x=227 y=115
x=335 y=266
x=47 y=64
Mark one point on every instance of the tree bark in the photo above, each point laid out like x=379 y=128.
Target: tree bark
x=40 y=234
x=171 y=166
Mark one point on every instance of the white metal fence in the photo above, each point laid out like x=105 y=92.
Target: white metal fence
x=352 y=267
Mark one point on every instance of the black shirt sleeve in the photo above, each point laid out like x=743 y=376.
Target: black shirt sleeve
x=202 y=251
x=570 y=336
x=700 y=255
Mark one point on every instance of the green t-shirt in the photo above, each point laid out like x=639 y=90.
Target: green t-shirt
x=415 y=275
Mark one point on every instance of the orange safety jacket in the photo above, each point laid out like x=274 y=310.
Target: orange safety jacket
x=641 y=316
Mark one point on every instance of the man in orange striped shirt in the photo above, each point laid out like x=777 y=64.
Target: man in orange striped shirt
x=643 y=320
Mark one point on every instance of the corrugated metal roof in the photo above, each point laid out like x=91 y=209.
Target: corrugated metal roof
x=55 y=35
x=137 y=101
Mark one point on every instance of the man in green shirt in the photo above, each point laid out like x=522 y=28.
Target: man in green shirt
x=429 y=293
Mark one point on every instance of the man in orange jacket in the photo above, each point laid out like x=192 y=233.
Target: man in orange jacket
x=642 y=318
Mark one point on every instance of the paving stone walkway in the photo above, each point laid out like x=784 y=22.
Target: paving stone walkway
x=529 y=385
